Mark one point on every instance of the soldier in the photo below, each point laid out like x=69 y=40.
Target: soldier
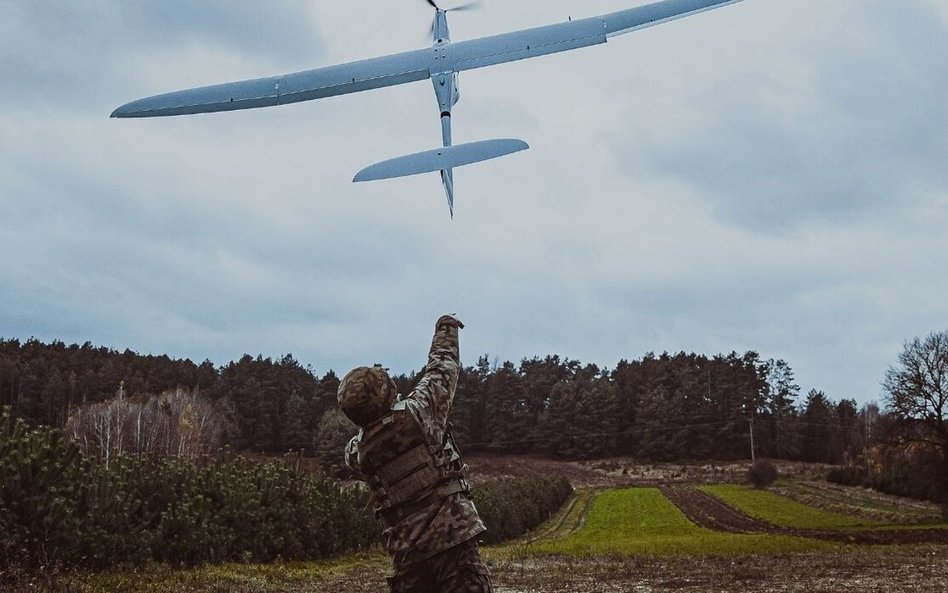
x=406 y=453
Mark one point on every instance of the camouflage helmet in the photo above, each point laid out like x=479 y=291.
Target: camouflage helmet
x=366 y=394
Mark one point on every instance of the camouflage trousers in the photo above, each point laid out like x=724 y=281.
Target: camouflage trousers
x=455 y=570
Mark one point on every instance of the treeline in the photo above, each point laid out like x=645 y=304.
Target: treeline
x=660 y=407
x=60 y=508
x=903 y=457
x=263 y=405
x=907 y=453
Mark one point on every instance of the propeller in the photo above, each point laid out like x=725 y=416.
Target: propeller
x=468 y=6
x=475 y=4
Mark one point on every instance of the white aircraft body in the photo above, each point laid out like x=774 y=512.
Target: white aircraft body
x=440 y=63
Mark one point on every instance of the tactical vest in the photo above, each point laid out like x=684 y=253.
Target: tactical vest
x=404 y=471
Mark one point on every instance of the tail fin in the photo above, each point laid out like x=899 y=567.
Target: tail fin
x=447 y=180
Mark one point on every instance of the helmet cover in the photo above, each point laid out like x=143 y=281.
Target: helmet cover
x=366 y=394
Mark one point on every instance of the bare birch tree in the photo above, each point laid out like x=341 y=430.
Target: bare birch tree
x=178 y=423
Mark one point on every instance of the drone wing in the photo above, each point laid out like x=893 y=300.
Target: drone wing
x=413 y=65
x=290 y=88
x=540 y=41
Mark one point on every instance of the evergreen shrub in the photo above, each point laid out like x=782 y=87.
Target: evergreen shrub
x=511 y=507
x=59 y=509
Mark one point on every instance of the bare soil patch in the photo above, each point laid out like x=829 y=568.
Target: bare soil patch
x=709 y=512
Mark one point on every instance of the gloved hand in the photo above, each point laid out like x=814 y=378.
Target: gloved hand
x=449 y=320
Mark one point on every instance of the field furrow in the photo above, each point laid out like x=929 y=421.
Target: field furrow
x=709 y=512
x=738 y=509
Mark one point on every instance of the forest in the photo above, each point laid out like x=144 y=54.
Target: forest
x=658 y=408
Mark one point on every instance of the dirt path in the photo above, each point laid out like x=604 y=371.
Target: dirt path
x=710 y=512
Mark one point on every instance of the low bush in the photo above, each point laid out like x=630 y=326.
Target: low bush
x=511 y=507
x=762 y=474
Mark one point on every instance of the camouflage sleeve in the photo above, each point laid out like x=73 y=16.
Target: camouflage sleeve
x=352 y=458
x=435 y=391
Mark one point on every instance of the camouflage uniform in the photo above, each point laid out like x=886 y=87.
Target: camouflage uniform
x=432 y=542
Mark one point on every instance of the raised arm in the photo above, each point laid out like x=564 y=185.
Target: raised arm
x=435 y=392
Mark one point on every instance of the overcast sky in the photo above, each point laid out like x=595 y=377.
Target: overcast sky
x=770 y=176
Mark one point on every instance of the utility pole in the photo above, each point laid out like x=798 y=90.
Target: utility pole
x=753 y=455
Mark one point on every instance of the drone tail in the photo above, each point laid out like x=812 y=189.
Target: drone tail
x=444 y=159
x=447 y=180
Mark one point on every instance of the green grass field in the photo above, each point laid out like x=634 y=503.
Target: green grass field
x=861 y=502
x=783 y=511
x=641 y=521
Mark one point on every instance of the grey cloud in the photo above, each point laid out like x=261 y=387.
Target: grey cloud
x=66 y=55
x=869 y=122
x=248 y=26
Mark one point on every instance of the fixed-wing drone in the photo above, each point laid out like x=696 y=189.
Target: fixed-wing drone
x=440 y=63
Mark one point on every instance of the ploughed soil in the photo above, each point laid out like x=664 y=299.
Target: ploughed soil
x=710 y=512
